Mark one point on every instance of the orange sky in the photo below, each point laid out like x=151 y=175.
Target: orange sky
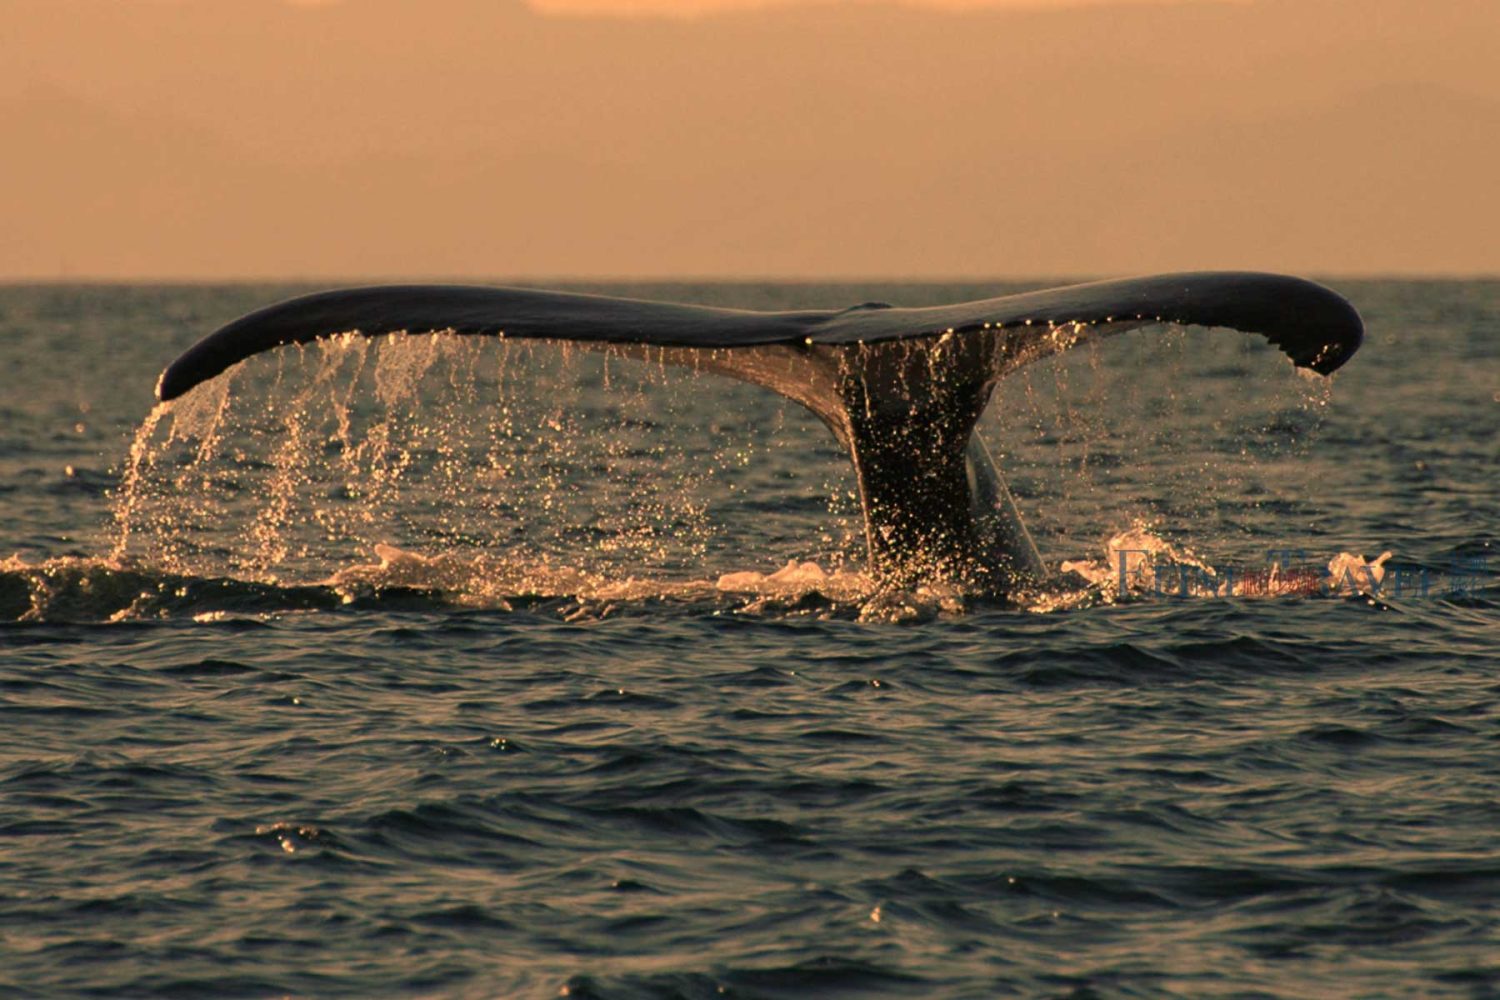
x=699 y=7
x=486 y=139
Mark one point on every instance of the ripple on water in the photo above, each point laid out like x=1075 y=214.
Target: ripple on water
x=453 y=751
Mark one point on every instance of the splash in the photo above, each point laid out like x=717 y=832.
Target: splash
x=1138 y=562
x=1353 y=576
x=797 y=589
x=498 y=474
x=497 y=456
x=130 y=493
x=1182 y=428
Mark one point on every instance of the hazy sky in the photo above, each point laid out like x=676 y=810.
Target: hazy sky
x=693 y=8
x=487 y=138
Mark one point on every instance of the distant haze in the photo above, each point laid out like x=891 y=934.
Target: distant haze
x=488 y=138
x=696 y=8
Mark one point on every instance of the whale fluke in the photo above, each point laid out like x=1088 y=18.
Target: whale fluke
x=900 y=388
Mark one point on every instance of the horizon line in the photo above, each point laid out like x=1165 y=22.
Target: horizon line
x=16 y=281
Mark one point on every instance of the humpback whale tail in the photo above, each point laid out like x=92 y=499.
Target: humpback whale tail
x=901 y=389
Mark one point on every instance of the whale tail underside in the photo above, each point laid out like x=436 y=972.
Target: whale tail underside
x=901 y=389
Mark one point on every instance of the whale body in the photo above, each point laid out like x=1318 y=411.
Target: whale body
x=901 y=389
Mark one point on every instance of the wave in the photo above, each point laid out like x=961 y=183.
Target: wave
x=1136 y=565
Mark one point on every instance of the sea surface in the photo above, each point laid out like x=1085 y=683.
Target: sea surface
x=427 y=668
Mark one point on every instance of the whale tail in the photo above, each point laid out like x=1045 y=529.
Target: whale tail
x=901 y=389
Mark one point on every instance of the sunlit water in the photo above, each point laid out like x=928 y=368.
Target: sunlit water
x=421 y=666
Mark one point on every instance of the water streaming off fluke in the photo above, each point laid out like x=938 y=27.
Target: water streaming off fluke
x=492 y=474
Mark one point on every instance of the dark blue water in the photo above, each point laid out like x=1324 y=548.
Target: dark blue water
x=409 y=670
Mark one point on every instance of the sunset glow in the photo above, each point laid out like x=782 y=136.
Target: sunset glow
x=692 y=8
x=470 y=137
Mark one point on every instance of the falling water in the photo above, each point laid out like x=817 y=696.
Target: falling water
x=484 y=469
x=1094 y=446
x=490 y=469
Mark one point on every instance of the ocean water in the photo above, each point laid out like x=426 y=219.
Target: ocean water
x=415 y=668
